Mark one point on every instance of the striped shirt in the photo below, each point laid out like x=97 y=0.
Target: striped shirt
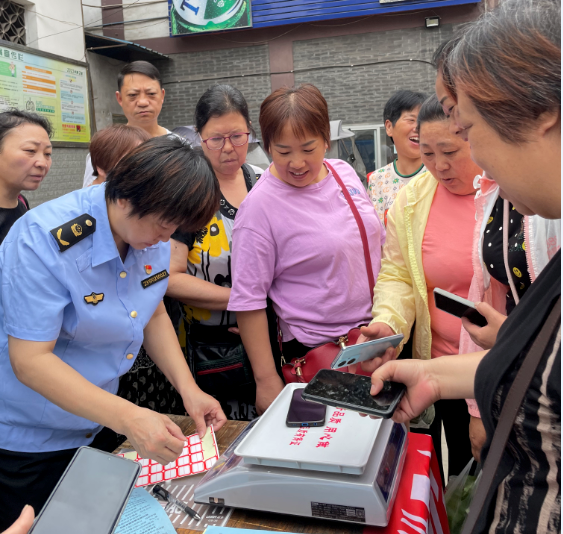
x=528 y=480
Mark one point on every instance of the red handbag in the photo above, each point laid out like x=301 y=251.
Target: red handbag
x=305 y=368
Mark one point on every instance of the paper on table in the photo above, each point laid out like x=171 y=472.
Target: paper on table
x=144 y=515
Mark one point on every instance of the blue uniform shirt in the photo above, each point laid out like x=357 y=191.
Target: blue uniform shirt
x=43 y=299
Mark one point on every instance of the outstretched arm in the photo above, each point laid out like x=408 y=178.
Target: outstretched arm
x=448 y=377
x=35 y=365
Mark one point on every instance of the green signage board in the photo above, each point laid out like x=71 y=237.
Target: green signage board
x=197 y=16
x=56 y=89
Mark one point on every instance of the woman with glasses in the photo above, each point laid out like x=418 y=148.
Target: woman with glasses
x=200 y=269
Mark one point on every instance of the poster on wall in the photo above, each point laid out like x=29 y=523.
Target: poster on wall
x=54 y=89
x=197 y=16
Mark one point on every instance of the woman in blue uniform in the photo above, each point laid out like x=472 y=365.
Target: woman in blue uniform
x=83 y=278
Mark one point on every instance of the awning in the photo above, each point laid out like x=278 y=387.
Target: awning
x=119 y=49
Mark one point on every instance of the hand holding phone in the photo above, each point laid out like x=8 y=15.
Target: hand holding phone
x=485 y=337
x=458 y=306
x=345 y=390
x=365 y=351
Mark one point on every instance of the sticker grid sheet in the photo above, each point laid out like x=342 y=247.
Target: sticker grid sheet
x=197 y=456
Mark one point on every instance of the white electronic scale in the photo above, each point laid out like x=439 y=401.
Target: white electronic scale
x=348 y=470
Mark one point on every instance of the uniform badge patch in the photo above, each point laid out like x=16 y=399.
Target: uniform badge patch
x=74 y=231
x=148 y=269
x=94 y=298
x=154 y=279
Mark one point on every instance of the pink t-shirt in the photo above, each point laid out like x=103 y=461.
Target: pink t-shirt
x=302 y=248
x=446 y=259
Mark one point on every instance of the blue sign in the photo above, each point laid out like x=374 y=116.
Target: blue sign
x=278 y=12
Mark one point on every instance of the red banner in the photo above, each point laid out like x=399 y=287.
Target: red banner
x=419 y=507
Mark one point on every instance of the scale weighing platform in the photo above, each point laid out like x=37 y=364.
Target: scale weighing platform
x=349 y=470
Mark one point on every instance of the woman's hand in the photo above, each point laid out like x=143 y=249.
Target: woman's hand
x=375 y=331
x=267 y=389
x=477 y=436
x=153 y=435
x=23 y=523
x=205 y=410
x=422 y=388
x=486 y=336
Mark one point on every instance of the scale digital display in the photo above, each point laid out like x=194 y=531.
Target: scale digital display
x=390 y=460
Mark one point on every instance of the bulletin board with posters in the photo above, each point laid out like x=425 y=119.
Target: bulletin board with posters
x=52 y=86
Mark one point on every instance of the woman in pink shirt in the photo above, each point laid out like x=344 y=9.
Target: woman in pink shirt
x=429 y=243
x=296 y=241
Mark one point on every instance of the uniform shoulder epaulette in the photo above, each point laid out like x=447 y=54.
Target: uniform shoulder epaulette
x=72 y=232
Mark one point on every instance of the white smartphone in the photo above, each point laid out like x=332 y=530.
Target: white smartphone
x=365 y=351
x=458 y=306
x=90 y=496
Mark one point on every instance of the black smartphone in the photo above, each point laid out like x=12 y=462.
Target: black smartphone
x=303 y=412
x=458 y=306
x=345 y=390
x=90 y=496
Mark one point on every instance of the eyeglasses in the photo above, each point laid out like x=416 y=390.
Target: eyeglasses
x=217 y=143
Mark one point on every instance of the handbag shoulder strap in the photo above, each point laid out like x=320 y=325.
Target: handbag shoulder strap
x=361 y=227
x=508 y=415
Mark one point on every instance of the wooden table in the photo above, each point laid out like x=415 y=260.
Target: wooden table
x=261 y=520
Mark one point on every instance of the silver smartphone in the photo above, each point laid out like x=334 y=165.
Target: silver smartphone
x=90 y=496
x=365 y=351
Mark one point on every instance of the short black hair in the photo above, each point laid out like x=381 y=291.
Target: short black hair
x=431 y=111
x=167 y=178
x=217 y=101
x=13 y=118
x=139 y=67
x=402 y=100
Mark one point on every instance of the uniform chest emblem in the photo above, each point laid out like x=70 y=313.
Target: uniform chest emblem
x=147 y=282
x=148 y=269
x=94 y=298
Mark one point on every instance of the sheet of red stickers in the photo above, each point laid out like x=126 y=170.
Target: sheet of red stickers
x=198 y=456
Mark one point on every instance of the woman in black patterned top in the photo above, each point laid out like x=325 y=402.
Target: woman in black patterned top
x=504 y=80
x=200 y=267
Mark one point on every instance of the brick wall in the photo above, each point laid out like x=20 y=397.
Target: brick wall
x=354 y=94
x=186 y=77
x=66 y=175
x=358 y=94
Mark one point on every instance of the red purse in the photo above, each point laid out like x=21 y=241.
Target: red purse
x=305 y=368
